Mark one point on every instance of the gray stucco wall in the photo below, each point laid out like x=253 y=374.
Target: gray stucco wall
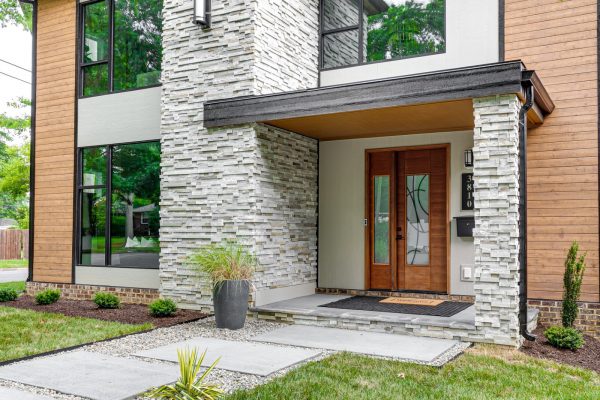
x=246 y=182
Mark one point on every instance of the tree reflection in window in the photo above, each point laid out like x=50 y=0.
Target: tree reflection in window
x=135 y=188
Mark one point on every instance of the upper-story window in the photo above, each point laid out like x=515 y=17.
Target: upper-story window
x=362 y=31
x=120 y=45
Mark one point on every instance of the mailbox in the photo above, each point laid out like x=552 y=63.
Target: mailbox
x=464 y=226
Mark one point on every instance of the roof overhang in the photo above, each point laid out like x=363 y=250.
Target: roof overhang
x=432 y=102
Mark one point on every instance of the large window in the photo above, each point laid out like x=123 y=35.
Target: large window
x=363 y=31
x=121 y=45
x=119 y=191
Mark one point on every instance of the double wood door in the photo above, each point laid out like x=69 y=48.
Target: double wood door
x=407 y=223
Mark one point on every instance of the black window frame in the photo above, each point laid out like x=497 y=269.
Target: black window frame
x=360 y=27
x=107 y=186
x=109 y=62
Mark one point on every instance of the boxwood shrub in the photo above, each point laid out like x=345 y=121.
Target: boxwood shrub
x=162 y=308
x=564 y=338
x=106 y=300
x=8 y=294
x=47 y=296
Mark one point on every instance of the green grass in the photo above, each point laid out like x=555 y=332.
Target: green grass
x=26 y=332
x=472 y=376
x=13 y=264
x=18 y=286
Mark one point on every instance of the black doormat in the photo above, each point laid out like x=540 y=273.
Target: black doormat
x=369 y=303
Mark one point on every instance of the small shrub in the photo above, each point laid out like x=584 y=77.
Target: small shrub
x=106 y=300
x=8 y=294
x=574 y=269
x=564 y=338
x=47 y=296
x=227 y=261
x=192 y=382
x=162 y=308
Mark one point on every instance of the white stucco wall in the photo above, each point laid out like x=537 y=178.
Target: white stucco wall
x=111 y=276
x=471 y=39
x=342 y=207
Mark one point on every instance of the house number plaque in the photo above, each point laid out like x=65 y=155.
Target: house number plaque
x=467 y=192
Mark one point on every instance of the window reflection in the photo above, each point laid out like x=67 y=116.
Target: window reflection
x=135 y=205
x=93 y=224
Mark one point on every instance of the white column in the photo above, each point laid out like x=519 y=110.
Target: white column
x=496 y=234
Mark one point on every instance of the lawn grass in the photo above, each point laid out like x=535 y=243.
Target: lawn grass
x=26 y=332
x=18 y=286
x=13 y=264
x=472 y=376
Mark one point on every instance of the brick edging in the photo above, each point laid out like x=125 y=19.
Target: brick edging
x=588 y=320
x=86 y=292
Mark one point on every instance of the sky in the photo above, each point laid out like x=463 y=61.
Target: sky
x=15 y=47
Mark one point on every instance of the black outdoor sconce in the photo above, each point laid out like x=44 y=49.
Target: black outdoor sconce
x=469 y=158
x=202 y=13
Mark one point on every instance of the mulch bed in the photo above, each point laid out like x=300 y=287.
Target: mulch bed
x=127 y=314
x=586 y=357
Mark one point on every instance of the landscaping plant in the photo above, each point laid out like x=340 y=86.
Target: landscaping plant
x=106 y=300
x=190 y=385
x=566 y=336
x=47 y=296
x=230 y=267
x=162 y=308
x=574 y=269
x=8 y=294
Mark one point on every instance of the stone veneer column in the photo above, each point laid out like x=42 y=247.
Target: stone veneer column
x=496 y=234
x=248 y=182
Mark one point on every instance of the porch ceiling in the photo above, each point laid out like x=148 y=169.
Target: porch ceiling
x=433 y=102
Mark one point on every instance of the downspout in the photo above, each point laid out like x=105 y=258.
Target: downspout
x=529 y=98
x=32 y=133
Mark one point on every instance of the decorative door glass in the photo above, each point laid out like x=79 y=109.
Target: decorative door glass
x=417 y=220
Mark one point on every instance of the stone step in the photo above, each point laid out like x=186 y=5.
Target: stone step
x=306 y=311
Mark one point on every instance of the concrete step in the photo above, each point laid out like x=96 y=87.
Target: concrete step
x=306 y=311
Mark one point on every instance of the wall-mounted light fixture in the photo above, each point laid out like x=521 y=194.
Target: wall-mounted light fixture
x=202 y=13
x=469 y=158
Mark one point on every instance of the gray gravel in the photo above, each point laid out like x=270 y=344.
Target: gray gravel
x=228 y=380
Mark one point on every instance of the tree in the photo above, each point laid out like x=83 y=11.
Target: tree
x=12 y=127
x=407 y=29
x=14 y=184
x=573 y=278
x=13 y=12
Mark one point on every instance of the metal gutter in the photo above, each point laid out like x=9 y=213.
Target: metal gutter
x=528 y=87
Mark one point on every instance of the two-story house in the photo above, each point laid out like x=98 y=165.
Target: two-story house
x=447 y=148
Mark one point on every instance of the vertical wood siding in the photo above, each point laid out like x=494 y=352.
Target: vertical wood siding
x=557 y=38
x=54 y=140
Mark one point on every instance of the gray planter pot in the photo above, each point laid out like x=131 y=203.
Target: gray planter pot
x=230 y=299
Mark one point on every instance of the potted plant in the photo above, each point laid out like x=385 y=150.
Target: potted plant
x=230 y=267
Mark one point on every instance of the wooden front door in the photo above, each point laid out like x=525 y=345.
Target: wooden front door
x=407 y=219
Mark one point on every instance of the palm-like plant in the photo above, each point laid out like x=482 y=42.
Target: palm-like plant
x=228 y=261
x=191 y=384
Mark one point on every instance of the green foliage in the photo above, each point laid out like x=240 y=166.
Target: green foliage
x=13 y=12
x=14 y=172
x=106 y=300
x=470 y=376
x=564 y=338
x=12 y=126
x=18 y=286
x=191 y=385
x=27 y=332
x=162 y=308
x=47 y=296
x=574 y=270
x=227 y=261
x=408 y=29
x=8 y=294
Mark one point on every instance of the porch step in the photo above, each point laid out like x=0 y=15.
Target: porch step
x=306 y=311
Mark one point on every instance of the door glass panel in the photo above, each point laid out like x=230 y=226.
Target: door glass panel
x=417 y=219
x=382 y=219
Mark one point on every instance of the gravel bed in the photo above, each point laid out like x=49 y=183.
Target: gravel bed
x=228 y=380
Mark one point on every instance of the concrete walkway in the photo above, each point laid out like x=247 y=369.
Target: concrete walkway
x=92 y=375
x=13 y=274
